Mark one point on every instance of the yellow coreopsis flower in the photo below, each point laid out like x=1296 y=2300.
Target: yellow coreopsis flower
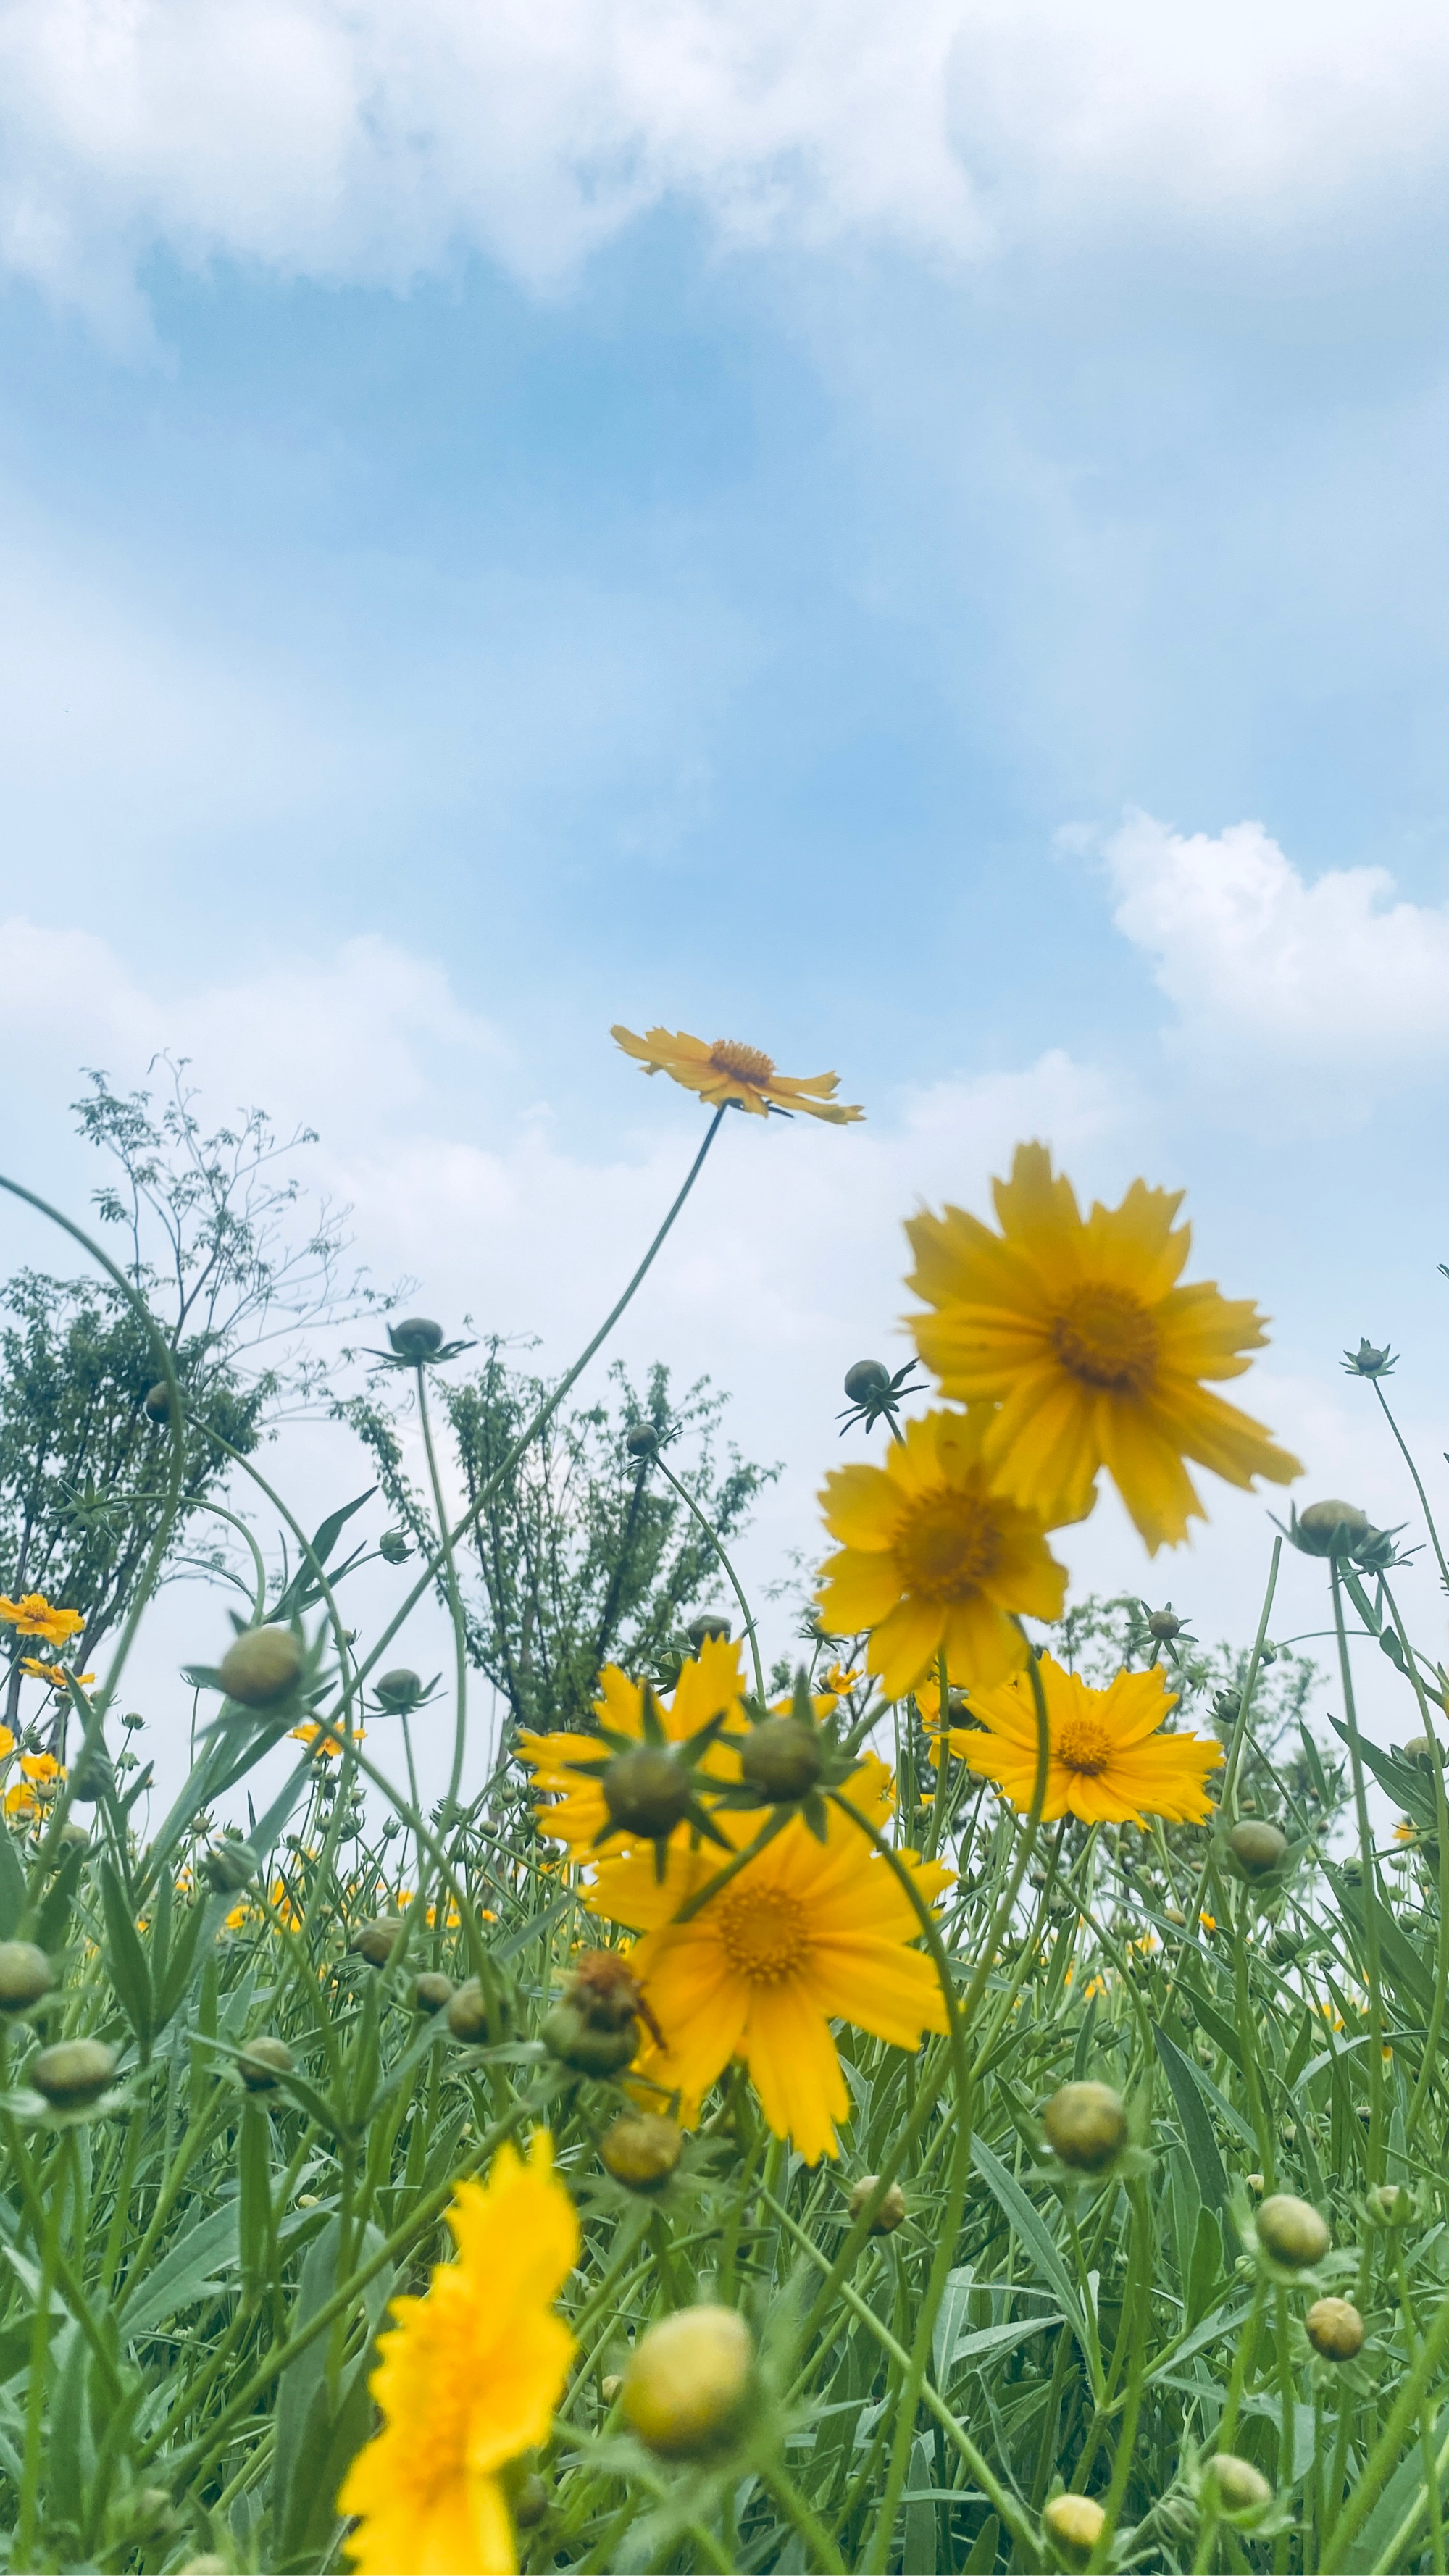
x=740 y=1076
x=41 y=1768
x=21 y=1800
x=7 y=1743
x=1078 y=1329
x=56 y=1674
x=468 y=2378
x=33 y=1617
x=572 y=1808
x=322 y=1743
x=1110 y=1762
x=935 y=1558
x=806 y=1934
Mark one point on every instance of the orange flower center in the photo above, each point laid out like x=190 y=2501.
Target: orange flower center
x=1105 y=1336
x=741 y=1063
x=764 y=1934
x=947 y=1546
x=1084 y=1745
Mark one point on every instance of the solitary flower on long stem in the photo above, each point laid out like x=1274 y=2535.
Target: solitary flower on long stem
x=467 y=2379
x=1111 y=1763
x=806 y=1934
x=1077 y=1328
x=729 y=1074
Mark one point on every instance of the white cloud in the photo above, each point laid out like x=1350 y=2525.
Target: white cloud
x=373 y=141
x=1332 y=987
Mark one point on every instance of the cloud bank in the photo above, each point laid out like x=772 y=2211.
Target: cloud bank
x=375 y=142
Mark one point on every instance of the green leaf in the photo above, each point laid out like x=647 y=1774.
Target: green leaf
x=125 y=1956
x=1037 y=2242
x=304 y=1588
x=12 y=1886
x=198 y=2266
x=54 y=1917
x=314 y=2447
x=1197 y=2128
x=982 y=2556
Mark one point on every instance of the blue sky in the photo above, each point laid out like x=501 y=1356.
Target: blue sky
x=685 y=514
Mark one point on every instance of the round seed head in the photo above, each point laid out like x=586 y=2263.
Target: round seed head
x=530 y=2503
x=641 y=2149
x=1257 y=1848
x=432 y=1991
x=1074 y=2524
x=1292 y=2231
x=1332 y=1528
x=25 y=1975
x=157 y=1402
x=646 y=1792
x=1237 y=2485
x=689 y=2380
x=74 y=2072
x=1086 y=2126
x=710 y=1623
x=398 y=1691
x=467 y=2013
x=641 y=1440
x=867 y=1379
x=781 y=1757
x=416 y=1339
x=376 y=1941
x=262 y=1666
x=261 y=2062
x=1334 y=2328
x=892 y=2211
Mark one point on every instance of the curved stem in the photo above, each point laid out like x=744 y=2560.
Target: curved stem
x=716 y=1542
x=1408 y=1459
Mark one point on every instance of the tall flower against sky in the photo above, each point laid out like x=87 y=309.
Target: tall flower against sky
x=571 y=1805
x=729 y=1073
x=1111 y=1762
x=1078 y=1330
x=467 y=2379
x=806 y=1934
x=935 y=1558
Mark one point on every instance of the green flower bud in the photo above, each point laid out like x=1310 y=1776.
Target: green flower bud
x=1335 y=2329
x=1330 y=1529
x=867 y=1379
x=261 y=2062
x=376 y=1941
x=647 y=1792
x=398 y=1691
x=1292 y=2231
x=432 y=1992
x=586 y=2046
x=74 y=2072
x=1420 y=1752
x=641 y=1440
x=25 y=1975
x=641 y=2149
x=892 y=2211
x=467 y=2013
x=1164 y=1625
x=1258 y=1849
x=710 y=1623
x=782 y=1757
x=156 y=1403
x=530 y=2503
x=1086 y=2126
x=91 y=1779
x=394 y=1547
x=689 y=2382
x=1238 y=2488
x=416 y=1339
x=1073 y=2523
x=229 y=1867
x=262 y=1666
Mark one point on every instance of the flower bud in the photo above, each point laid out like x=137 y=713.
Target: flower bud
x=394 y=1547
x=641 y=2149
x=782 y=1758
x=1391 y=2203
x=1257 y=1848
x=262 y=1666
x=229 y=1867
x=376 y=1941
x=156 y=1403
x=1292 y=2231
x=432 y=1992
x=641 y=1440
x=261 y=2062
x=609 y=2387
x=710 y=1623
x=647 y=1792
x=892 y=2211
x=1164 y=1625
x=1330 y=1529
x=25 y=1975
x=1420 y=1752
x=1074 y=2524
x=74 y=1836
x=416 y=1339
x=398 y=1691
x=467 y=2012
x=1255 y=2185
x=1086 y=2125
x=1334 y=2328
x=91 y=1779
x=74 y=2072
x=1238 y=2488
x=530 y=2503
x=865 y=1380
x=584 y=2045
x=689 y=2380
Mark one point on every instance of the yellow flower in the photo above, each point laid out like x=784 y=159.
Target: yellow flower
x=241 y=1914
x=808 y=1933
x=7 y=1743
x=34 y=1617
x=56 y=1674
x=467 y=2379
x=935 y=1558
x=321 y=1743
x=575 y=1813
x=1079 y=1331
x=739 y=1075
x=1110 y=1764
x=40 y=1767
x=21 y=1800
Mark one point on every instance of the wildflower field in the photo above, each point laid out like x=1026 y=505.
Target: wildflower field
x=967 y=2092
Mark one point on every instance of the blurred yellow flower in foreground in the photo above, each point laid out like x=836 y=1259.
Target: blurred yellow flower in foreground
x=728 y=1073
x=808 y=1933
x=467 y=2378
x=1077 y=1328
x=1110 y=1761
x=935 y=1558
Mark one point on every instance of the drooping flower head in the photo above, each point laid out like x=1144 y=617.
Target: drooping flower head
x=571 y=1808
x=467 y=2379
x=1078 y=1329
x=33 y=1616
x=1111 y=1763
x=806 y=1934
x=935 y=1558
x=729 y=1073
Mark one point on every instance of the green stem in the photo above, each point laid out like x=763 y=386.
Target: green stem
x=716 y=1542
x=1371 y=1895
x=1383 y=2458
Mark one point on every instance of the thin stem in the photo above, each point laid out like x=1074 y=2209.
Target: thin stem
x=716 y=1542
